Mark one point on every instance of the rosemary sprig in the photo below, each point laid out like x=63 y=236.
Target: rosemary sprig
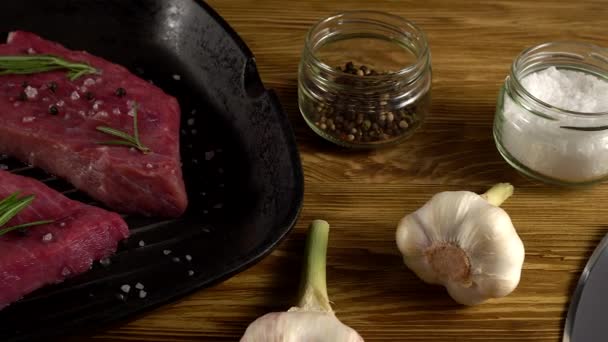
x=125 y=139
x=24 y=65
x=11 y=206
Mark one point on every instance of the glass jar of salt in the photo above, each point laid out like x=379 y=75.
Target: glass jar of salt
x=551 y=119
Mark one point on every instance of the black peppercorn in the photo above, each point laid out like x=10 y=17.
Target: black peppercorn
x=22 y=96
x=120 y=92
x=52 y=87
x=53 y=110
x=89 y=96
x=25 y=84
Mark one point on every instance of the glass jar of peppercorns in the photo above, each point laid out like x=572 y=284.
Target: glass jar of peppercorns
x=365 y=79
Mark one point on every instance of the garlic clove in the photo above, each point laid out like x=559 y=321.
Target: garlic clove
x=300 y=326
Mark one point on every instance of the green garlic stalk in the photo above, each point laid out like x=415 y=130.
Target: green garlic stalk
x=313 y=319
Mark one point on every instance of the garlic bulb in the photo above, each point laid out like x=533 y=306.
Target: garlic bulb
x=312 y=320
x=464 y=242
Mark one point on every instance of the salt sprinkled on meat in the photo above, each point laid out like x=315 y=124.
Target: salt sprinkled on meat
x=105 y=261
x=89 y=82
x=190 y=273
x=16 y=104
x=30 y=92
x=62 y=224
x=60 y=103
x=177 y=77
x=126 y=288
x=75 y=96
x=82 y=113
x=141 y=243
x=149 y=166
x=166 y=252
x=209 y=155
x=96 y=104
x=48 y=237
x=83 y=89
x=139 y=286
x=31 y=51
x=190 y=122
x=27 y=119
x=116 y=111
x=131 y=112
x=142 y=294
x=66 y=272
x=176 y=259
x=188 y=257
x=46 y=99
x=98 y=80
x=102 y=114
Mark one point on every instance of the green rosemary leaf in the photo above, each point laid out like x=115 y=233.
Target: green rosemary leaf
x=127 y=139
x=15 y=208
x=117 y=133
x=42 y=63
x=25 y=225
x=9 y=201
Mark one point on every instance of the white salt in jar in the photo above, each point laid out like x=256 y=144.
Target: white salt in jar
x=551 y=119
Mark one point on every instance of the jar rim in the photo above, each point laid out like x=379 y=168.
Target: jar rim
x=422 y=58
x=595 y=51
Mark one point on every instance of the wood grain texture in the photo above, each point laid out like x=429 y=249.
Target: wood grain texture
x=364 y=194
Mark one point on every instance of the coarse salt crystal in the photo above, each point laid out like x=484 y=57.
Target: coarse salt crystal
x=62 y=224
x=126 y=288
x=166 y=252
x=48 y=237
x=209 y=155
x=190 y=122
x=96 y=104
x=89 y=82
x=131 y=112
x=75 y=96
x=83 y=89
x=142 y=294
x=30 y=92
x=46 y=99
x=120 y=296
x=541 y=144
x=141 y=243
x=60 y=103
x=31 y=51
x=66 y=272
x=27 y=119
x=81 y=113
x=139 y=286
x=116 y=111
x=149 y=166
x=176 y=259
x=105 y=261
x=177 y=77
x=190 y=273
x=102 y=114
x=188 y=257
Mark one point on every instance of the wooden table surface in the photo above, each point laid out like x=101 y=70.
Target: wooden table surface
x=364 y=194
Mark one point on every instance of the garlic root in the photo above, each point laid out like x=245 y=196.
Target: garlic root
x=313 y=320
x=464 y=242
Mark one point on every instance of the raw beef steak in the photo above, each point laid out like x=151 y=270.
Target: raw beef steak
x=47 y=254
x=51 y=122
